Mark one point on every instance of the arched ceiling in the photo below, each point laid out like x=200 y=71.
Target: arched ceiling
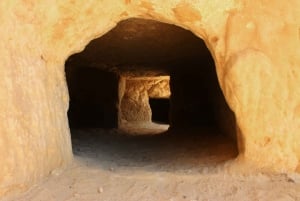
x=140 y=46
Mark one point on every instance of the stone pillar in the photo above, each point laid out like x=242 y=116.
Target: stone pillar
x=135 y=105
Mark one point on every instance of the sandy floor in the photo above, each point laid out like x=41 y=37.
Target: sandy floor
x=110 y=165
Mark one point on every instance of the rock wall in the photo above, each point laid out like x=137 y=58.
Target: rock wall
x=223 y=116
x=135 y=105
x=255 y=46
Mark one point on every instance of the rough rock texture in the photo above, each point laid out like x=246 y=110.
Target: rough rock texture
x=159 y=87
x=255 y=45
x=135 y=105
x=141 y=47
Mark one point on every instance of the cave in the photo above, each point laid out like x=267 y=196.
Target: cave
x=147 y=78
x=233 y=74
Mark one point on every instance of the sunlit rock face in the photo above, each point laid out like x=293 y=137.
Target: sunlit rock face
x=135 y=105
x=259 y=80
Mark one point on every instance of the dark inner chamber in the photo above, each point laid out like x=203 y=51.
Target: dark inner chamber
x=137 y=47
x=160 y=110
x=201 y=126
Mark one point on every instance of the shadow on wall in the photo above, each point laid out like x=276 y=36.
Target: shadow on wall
x=160 y=110
x=93 y=97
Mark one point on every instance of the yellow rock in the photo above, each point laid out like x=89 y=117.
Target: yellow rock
x=255 y=44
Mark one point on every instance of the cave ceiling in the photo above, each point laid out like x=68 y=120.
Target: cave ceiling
x=143 y=47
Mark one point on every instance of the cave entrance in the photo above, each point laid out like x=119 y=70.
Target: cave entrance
x=118 y=88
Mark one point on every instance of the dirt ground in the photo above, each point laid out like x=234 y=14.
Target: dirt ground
x=187 y=165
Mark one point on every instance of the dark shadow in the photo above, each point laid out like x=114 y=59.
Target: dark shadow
x=93 y=97
x=160 y=110
x=109 y=149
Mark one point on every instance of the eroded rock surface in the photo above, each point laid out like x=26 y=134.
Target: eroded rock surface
x=255 y=46
x=135 y=105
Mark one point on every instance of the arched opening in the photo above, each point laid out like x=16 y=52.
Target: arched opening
x=142 y=72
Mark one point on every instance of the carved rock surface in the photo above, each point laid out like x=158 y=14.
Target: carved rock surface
x=135 y=105
x=255 y=45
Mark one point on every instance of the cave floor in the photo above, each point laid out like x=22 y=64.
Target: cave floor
x=111 y=165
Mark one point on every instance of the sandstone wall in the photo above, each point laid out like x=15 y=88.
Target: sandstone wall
x=255 y=45
x=135 y=105
x=224 y=117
